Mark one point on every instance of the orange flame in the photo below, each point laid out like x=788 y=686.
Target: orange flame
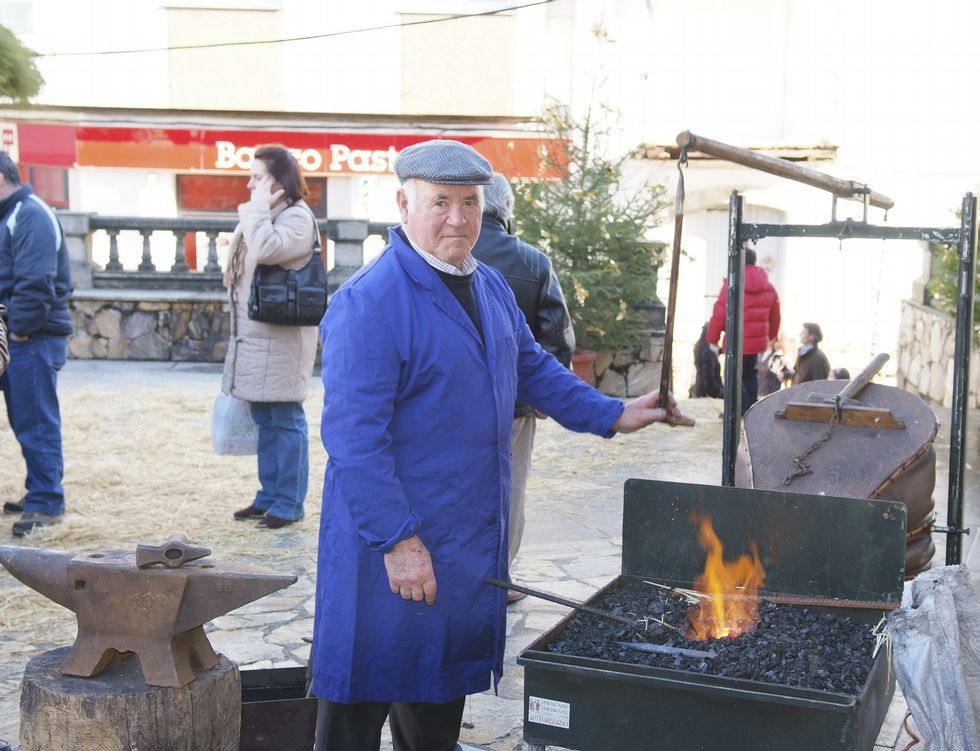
x=733 y=586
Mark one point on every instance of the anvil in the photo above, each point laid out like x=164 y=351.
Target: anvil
x=124 y=603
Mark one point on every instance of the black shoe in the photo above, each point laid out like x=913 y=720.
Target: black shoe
x=275 y=522
x=13 y=507
x=31 y=520
x=249 y=512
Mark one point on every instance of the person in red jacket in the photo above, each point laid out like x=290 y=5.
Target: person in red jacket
x=760 y=323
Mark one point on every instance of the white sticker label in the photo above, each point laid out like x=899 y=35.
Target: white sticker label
x=548 y=712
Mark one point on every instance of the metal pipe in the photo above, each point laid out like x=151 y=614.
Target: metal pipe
x=783 y=168
x=733 y=341
x=961 y=378
x=850 y=230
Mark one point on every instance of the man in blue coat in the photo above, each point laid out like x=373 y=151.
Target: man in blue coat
x=424 y=354
x=35 y=283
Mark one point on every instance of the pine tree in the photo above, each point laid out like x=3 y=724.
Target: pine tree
x=19 y=78
x=592 y=226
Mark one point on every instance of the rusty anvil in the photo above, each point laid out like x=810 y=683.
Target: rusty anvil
x=154 y=603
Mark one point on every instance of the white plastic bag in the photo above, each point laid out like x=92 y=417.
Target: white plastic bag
x=936 y=642
x=233 y=431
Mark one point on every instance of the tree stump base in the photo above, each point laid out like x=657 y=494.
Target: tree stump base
x=116 y=711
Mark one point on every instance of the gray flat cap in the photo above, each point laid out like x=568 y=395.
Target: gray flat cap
x=443 y=162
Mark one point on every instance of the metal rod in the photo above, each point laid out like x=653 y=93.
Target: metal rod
x=961 y=377
x=783 y=168
x=666 y=364
x=663 y=649
x=733 y=341
x=849 y=229
x=560 y=600
x=674 y=418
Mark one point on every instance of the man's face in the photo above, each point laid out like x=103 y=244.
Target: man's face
x=443 y=220
x=805 y=337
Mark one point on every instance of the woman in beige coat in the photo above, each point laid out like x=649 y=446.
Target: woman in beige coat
x=267 y=364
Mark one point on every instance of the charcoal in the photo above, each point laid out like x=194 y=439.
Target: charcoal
x=791 y=645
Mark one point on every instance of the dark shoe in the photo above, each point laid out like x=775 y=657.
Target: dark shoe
x=275 y=522
x=249 y=512
x=13 y=507
x=31 y=520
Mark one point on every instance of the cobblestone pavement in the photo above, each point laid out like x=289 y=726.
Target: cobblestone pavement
x=571 y=546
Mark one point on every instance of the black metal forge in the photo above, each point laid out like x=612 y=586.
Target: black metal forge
x=841 y=555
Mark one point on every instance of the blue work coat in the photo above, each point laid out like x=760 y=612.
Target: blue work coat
x=417 y=423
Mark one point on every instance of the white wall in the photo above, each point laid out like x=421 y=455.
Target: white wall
x=137 y=80
x=887 y=81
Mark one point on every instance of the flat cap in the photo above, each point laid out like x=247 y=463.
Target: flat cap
x=444 y=163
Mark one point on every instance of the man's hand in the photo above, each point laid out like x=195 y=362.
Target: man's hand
x=18 y=338
x=410 y=573
x=644 y=410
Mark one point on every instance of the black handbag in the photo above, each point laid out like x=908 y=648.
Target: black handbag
x=290 y=297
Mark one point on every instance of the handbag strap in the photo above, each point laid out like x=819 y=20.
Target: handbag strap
x=316 y=226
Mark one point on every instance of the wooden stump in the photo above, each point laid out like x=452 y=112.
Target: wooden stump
x=116 y=711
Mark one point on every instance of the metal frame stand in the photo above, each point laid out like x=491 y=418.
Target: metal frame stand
x=965 y=239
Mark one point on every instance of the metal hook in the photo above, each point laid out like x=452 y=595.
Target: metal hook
x=679 y=198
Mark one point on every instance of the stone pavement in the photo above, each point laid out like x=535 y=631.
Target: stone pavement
x=571 y=546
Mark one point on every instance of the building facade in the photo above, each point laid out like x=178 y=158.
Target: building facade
x=164 y=99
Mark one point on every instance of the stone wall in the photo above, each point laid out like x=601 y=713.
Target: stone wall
x=115 y=324
x=634 y=372
x=631 y=372
x=926 y=341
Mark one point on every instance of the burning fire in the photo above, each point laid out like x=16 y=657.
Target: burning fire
x=732 y=607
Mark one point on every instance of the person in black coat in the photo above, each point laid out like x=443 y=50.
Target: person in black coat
x=530 y=275
x=707 y=370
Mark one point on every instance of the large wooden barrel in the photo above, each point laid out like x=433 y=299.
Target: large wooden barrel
x=116 y=711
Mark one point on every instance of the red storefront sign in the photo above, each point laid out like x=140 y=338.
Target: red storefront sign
x=217 y=151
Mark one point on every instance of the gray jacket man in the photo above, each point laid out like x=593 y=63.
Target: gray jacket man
x=529 y=274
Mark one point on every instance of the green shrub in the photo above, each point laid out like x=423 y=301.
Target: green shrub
x=19 y=78
x=592 y=226
x=941 y=292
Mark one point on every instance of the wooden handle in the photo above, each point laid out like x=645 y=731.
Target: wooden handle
x=857 y=384
x=782 y=167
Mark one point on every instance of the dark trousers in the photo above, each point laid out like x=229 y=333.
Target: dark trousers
x=414 y=727
x=29 y=388
x=750 y=381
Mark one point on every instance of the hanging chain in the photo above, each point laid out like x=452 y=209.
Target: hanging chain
x=802 y=468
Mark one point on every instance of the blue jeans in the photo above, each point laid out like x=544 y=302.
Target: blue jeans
x=30 y=390
x=284 y=458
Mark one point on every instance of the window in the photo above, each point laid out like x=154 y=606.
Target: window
x=50 y=183
x=221 y=194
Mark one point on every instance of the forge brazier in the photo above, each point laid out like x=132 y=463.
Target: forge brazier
x=844 y=555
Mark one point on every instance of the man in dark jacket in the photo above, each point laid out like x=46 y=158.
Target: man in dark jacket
x=529 y=274
x=760 y=323
x=35 y=282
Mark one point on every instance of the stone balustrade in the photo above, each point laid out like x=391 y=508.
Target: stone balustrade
x=148 y=309
x=143 y=300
